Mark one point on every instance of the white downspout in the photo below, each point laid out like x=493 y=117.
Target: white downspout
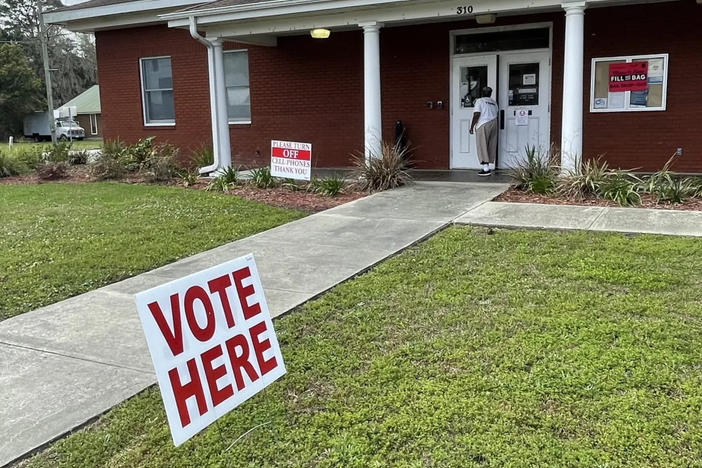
x=225 y=150
x=213 y=98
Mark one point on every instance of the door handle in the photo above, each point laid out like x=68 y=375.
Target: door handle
x=502 y=120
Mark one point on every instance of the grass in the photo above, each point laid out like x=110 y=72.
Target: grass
x=59 y=240
x=94 y=143
x=521 y=348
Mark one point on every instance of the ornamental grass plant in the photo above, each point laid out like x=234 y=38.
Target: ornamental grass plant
x=537 y=171
x=385 y=170
x=586 y=179
x=669 y=187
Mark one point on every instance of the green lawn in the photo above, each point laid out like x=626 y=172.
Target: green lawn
x=59 y=240
x=508 y=350
x=93 y=143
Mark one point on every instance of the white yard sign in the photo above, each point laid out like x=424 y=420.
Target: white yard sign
x=291 y=160
x=212 y=343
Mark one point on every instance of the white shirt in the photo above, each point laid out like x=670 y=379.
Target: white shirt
x=488 y=111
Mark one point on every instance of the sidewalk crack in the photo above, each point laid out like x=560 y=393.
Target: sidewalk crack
x=78 y=358
x=597 y=218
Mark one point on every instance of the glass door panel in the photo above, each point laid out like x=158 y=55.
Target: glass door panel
x=524 y=103
x=473 y=79
x=469 y=76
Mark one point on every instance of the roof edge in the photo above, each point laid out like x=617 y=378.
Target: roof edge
x=67 y=17
x=271 y=5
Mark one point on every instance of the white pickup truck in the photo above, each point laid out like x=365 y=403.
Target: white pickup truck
x=36 y=126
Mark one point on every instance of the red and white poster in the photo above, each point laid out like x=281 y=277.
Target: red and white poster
x=628 y=77
x=291 y=160
x=212 y=343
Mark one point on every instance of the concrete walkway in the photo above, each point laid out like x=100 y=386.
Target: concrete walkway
x=589 y=218
x=64 y=364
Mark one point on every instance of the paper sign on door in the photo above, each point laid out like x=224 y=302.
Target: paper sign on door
x=522 y=117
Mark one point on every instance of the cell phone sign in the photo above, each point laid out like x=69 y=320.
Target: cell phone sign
x=291 y=160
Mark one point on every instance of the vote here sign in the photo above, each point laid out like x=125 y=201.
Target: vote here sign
x=291 y=159
x=212 y=343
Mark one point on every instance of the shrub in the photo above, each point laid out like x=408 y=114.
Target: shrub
x=293 y=185
x=676 y=190
x=383 y=171
x=8 y=165
x=60 y=152
x=666 y=186
x=331 y=186
x=160 y=163
x=621 y=187
x=109 y=163
x=188 y=177
x=19 y=161
x=229 y=175
x=201 y=157
x=51 y=170
x=537 y=172
x=115 y=149
x=155 y=162
x=587 y=178
x=217 y=184
x=697 y=183
x=262 y=178
x=78 y=157
x=140 y=155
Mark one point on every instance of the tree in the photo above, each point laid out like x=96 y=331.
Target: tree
x=71 y=55
x=20 y=89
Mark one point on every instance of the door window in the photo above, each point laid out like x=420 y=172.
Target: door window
x=523 y=84
x=93 y=124
x=504 y=40
x=473 y=79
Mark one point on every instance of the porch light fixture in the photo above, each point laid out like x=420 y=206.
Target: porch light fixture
x=486 y=19
x=320 y=33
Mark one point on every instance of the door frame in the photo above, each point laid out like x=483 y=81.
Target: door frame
x=481 y=30
x=460 y=114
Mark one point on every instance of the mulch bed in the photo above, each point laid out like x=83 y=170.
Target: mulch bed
x=280 y=197
x=304 y=201
x=647 y=201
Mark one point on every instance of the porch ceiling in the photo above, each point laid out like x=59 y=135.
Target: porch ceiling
x=265 y=19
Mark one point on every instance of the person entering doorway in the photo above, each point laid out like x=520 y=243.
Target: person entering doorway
x=484 y=125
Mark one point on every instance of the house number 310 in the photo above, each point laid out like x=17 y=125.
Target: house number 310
x=464 y=10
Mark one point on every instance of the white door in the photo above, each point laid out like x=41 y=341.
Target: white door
x=469 y=76
x=524 y=98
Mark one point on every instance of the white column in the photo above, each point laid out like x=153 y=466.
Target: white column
x=225 y=151
x=371 y=88
x=572 y=123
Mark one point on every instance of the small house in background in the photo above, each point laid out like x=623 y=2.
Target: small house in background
x=88 y=111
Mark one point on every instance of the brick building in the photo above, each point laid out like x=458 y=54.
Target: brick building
x=87 y=105
x=594 y=77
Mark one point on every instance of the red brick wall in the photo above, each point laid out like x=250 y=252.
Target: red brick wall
x=303 y=90
x=312 y=90
x=118 y=53
x=647 y=139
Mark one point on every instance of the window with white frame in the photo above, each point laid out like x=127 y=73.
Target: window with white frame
x=93 y=124
x=157 y=91
x=236 y=79
x=632 y=83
